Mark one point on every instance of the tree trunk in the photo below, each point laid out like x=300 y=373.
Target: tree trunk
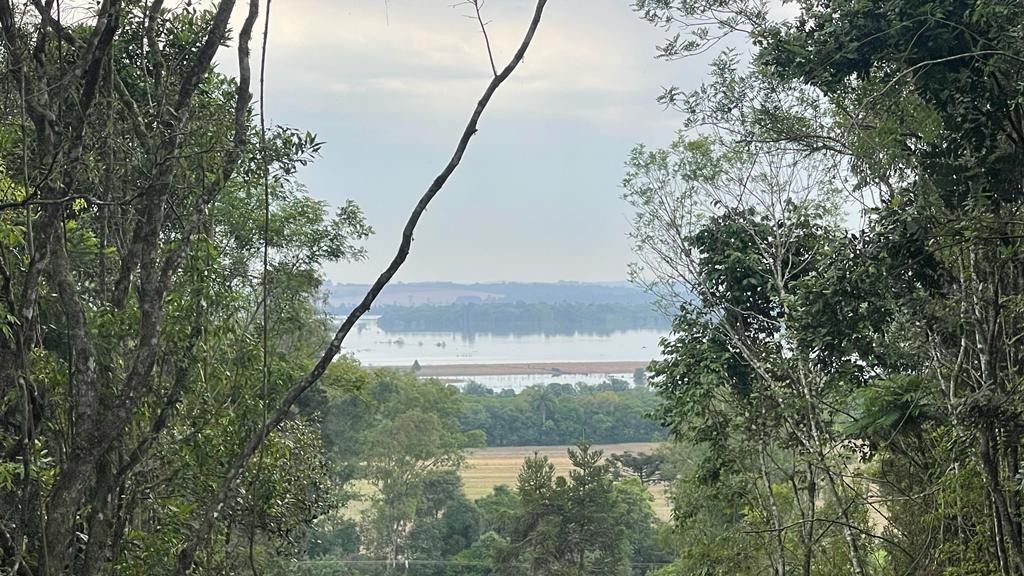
x=1002 y=511
x=779 y=567
x=997 y=538
x=851 y=538
x=808 y=528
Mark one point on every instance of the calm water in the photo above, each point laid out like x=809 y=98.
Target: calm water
x=520 y=381
x=375 y=347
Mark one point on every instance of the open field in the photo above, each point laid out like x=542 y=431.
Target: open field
x=448 y=370
x=487 y=467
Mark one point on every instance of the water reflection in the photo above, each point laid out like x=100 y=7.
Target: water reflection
x=519 y=382
x=374 y=347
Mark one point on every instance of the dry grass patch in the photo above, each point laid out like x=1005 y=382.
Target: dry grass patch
x=488 y=467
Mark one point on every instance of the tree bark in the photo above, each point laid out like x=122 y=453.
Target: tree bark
x=808 y=528
x=773 y=509
x=1001 y=508
x=851 y=538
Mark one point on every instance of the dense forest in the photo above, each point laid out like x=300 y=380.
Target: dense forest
x=405 y=437
x=521 y=317
x=838 y=230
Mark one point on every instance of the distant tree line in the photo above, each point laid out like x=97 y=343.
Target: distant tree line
x=521 y=317
x=553 y=414
x=413 y=293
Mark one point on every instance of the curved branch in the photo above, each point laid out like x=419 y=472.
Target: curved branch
x=187 y=554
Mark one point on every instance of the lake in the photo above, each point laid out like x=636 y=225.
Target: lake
x=373 y=346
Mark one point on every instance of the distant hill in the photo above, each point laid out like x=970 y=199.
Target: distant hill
x=438 y=293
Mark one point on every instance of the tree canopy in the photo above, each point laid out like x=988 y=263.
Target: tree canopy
x=850 y=389
x=160 y=277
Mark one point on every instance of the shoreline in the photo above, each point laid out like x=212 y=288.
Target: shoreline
x=530 y=369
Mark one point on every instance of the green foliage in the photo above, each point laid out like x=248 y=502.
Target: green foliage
x=403 y=439
x=481 y=558
x=554 y=414
x=498 y=511
x=871 y=376
x=586 y=524
x=646 y=468
x=134 y=326
x=400 y=435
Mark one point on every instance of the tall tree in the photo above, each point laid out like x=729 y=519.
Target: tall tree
x=134 y=270
x=916 y=318
x=570 y=526
x=414 y=440
x=736 y=235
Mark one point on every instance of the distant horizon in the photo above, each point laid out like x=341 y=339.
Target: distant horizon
x=407 y=282
x=449 y=292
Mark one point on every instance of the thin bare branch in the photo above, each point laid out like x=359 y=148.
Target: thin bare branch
x=187 y=554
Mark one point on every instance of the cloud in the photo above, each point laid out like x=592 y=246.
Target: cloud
x=389 y=90
x=408 y=56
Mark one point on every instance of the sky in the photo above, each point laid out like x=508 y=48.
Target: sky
x=389 y=86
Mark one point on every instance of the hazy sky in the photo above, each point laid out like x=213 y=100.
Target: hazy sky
x=389 y=85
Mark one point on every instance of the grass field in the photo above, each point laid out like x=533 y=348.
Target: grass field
x=488 y=467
